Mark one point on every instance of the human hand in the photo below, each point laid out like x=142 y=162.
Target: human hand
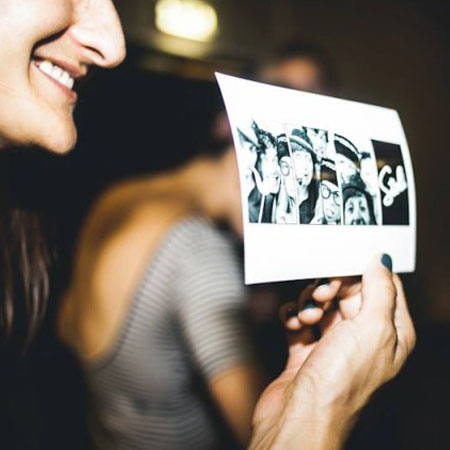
x=365 y=337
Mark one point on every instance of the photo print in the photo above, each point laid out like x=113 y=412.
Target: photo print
x=307 y=160
x=269 y=178
x=356 y=167
x=392 y=183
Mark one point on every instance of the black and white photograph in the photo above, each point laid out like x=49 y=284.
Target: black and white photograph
x=308 y=160
x=392 y=181
x=357 y=176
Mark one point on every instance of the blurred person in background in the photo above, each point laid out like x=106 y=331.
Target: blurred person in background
x=299 y=65
x=156 y=312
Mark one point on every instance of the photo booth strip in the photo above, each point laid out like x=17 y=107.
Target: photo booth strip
x=282 y=166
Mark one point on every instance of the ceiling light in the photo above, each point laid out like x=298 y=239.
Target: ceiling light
x=188 y=19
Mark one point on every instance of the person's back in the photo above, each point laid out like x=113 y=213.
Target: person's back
x=156 y=316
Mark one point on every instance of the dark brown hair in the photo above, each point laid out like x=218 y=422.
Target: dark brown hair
x=26 y=257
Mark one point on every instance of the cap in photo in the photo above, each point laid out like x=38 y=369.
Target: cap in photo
x=299 y=140
x=265 y=138
x=328 y=171
x=346 y=148
x=282 y=146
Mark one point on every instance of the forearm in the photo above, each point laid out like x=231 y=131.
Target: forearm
x=302 y=425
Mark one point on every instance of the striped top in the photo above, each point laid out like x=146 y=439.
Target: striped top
x=186 y=321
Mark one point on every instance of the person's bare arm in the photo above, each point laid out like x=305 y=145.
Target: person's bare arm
x=236 y=392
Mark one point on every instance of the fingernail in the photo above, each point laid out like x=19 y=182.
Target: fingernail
x=309 y=304
x=386 y=260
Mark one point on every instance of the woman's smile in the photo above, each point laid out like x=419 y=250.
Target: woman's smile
x=60 y=77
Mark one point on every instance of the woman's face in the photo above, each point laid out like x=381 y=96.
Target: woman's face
x=45 y=47
x=270 y=170
x=304 y=167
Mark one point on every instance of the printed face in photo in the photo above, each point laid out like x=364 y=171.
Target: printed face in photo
x=269 y=169
x=331 y=201
x=304 y=167
x=356 y=210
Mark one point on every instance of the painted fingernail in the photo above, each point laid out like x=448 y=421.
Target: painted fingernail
x=309 y=304
x=386 y=260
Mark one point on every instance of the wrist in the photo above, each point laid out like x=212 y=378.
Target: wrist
x=306 y=422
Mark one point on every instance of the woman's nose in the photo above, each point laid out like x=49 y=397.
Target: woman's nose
x=99 y=34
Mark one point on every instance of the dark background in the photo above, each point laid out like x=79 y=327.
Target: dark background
x=153 y=112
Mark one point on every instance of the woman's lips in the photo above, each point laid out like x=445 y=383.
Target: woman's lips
x=60 y=77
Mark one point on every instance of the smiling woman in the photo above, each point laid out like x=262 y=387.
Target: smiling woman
x=46 y=47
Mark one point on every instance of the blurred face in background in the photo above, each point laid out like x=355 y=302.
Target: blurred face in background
x=300 y=73
x=356 y=210
x=270 y=170
x=304 y=167
x=46 y=47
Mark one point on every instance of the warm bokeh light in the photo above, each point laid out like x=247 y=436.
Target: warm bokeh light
x=188 y=19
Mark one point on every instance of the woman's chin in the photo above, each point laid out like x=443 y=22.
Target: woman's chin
x=60 y=140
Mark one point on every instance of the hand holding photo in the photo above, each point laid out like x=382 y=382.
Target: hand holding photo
x=307 y=160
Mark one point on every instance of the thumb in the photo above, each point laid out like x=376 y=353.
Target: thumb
x=378 y=289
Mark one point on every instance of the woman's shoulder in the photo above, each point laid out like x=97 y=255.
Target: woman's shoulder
x=113 y=252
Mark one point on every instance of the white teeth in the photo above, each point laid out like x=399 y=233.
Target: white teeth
x=60 y=75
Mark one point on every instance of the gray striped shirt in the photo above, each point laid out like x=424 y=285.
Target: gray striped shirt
x=186 y=319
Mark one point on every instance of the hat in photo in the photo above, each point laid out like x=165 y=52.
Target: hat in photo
x=346 y=148
x=282 y=146
x=265 y=138
x=299 y=140
x=357 y=188
x=328 y=171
